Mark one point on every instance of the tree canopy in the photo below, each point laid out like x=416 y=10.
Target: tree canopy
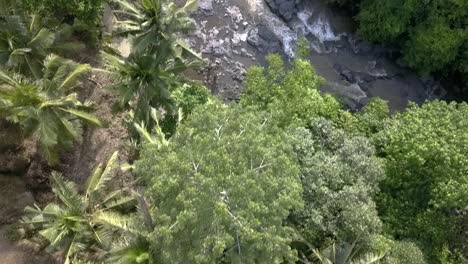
x=225 y=197
x=425 y=150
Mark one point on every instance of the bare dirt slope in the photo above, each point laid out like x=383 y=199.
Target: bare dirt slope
x=99 y=143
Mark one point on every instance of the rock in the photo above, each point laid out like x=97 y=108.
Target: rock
x=206 y=6
x=351 y=93
x=216 y=46
x=361 y=77
x=358 y=45
x=264 y=40
x=235 y=14
x=365 y=86
x=238 y=38
x=353 y=77
x=286 y=9
x=345 y=73
x=253 y=38
x=436 y=91
x=374 y=69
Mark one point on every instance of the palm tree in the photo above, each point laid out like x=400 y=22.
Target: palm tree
x=148 y=75
x=133 y=246
x=47 y=108
x=141 y=83
x=77 y=224
x=25 y=42
x=156 y=25
x=343 y=253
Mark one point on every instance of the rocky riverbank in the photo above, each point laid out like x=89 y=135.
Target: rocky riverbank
x=235 y=34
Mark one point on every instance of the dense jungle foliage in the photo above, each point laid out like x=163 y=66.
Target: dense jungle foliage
x=286 y=175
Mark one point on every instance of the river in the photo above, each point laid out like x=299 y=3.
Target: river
x=235 y=34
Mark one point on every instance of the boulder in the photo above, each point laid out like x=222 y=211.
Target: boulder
x=206 y=6
x=286 y=9
x=352 y=76
x=352 y=94
x=264 y=40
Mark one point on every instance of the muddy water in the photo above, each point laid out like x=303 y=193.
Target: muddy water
x=235 y=34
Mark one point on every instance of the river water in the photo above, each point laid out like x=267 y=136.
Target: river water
x=235 y=34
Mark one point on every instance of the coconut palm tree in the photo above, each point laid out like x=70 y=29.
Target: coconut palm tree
x=147 y=76
x=343 y=253
x=133 y=246
x=141 y=83
x=25 y=42
x=47 y=108
x=156 y=25
x=77 y=223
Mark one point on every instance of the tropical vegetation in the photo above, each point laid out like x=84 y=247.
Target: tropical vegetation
x=286 y=175
x=47 y=108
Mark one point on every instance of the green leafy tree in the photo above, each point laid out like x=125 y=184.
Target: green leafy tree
x=222 y=186
x=25 y=42
x=188 y=96
x=89 y=11
x=79 y=224
x=404 y=252
x=371 y=118
x=292 y=97
x=425 y=150
x=386 y=20
x=432 y=46
x=47 y=108
x=340 y=176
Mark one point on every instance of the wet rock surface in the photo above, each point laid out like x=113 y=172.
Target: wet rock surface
x=286 y=9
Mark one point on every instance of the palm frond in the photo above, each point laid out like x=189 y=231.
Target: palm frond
x=5 y=78
x=42 y=41
x=369 y=258
x=84 y=116
x=116 y=220
x=74 y=76
x=66 y=191
x=100 y=177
